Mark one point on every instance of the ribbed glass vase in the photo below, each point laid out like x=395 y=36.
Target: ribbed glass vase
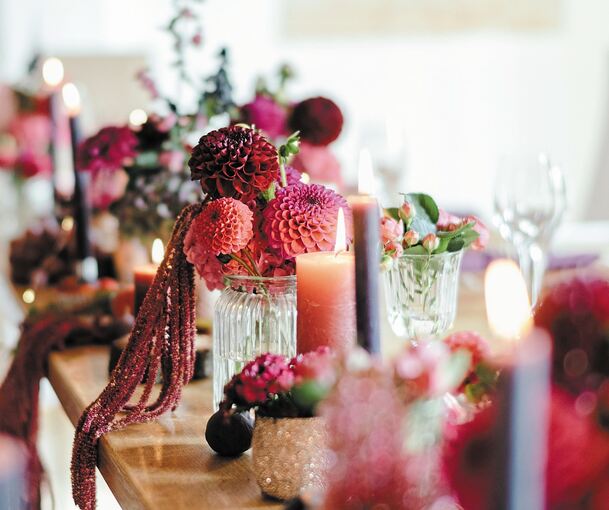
x=421 y=293
x=253 y=315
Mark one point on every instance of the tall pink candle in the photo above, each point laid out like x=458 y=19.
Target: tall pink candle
x=325 y=283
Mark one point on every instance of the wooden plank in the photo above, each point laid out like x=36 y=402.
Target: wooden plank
x=163 y=464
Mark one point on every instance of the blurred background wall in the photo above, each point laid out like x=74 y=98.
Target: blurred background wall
x=461 y=95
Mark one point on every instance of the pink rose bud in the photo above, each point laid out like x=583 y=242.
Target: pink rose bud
x=448 y=222
x=411 y=238
x=391 y=229
x=407 y=212
x=430 y=242
x=394 y=249
x=483 y=233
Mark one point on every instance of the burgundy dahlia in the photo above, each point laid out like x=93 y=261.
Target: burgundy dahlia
x=318 y=119
x=267 y=115
x=234 y=162
x=576 y=314
x=109 y=149
x=302 y=218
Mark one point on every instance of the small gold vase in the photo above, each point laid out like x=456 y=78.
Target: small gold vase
x=289 y=455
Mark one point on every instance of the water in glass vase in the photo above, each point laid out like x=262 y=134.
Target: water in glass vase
x=253 y=315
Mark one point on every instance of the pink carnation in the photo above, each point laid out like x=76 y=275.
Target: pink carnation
x=302 y=219
x=265 y=114
x=390 y=229
x=319 y=163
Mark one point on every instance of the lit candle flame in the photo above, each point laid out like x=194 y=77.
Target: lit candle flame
x=138 y=117
x=158 y=251
x=71 y=98
x=365 y=180
x=29 y=296
x=341 y=233
x=508 y=308
x=52 y=72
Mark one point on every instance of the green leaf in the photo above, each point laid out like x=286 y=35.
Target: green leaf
x=469 y=237
x=269 y=194
x=392 y=212
x=427 y=213
x=462 y=229
x=455 y=245
x=308 y=394
x=423 y=202
x=416 y=250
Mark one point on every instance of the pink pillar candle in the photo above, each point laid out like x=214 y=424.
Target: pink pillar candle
x=325 y=301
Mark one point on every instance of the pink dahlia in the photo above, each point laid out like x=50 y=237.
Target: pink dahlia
x=318 y=119
x=234 y=162
x=292 y=176
x=265 y=114
x=302 y=219
x=223 y=227
x=109 y=149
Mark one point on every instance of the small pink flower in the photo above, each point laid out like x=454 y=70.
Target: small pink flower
x=418 y=369
x=411 y=238
x=483 y=232
x=394 y=249
x=390 y=229
x=430 y=242
x=407 y=212
x=448 y=222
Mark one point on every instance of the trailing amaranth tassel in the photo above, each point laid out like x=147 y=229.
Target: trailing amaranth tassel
x=162 y=339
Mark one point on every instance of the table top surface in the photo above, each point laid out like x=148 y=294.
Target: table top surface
x=162 y=464
x=167 y=463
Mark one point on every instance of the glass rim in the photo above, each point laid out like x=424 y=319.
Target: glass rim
x=444 y=254
x=261 y=279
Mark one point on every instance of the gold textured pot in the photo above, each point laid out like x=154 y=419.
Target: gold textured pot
x=289 y=455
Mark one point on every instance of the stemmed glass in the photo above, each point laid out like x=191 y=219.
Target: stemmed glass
x=530 y=199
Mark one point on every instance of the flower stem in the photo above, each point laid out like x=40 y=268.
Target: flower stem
x=249 y=256
x=284 y=179
x=244 y=264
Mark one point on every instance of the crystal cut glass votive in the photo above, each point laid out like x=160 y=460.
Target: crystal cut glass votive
x=421 y=294
x=253 y=315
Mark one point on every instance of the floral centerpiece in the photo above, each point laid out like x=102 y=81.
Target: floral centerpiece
x=422 y=250
x=288 y=440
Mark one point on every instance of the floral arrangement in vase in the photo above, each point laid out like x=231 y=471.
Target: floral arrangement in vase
x=318 y=120
x=576 y=315
x=421 y=258
x=288 y=439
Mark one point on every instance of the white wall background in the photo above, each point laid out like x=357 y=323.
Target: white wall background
x=464 y=98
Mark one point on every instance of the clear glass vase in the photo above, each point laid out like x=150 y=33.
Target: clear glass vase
x=253 y=315
x=421 y=294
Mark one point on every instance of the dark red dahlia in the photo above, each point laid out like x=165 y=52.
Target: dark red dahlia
x=318 y=119
x=302 y=219
x=109 y=149
x=234 y=162
x=576 y=314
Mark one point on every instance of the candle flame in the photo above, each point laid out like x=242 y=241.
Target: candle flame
x=365 y=180
x=508 y=308
x=138 y=117
x=52 y=71
x=71 y=98
x=158 y=251
x=341 y=233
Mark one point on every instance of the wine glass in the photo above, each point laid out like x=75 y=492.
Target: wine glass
x=530 y=199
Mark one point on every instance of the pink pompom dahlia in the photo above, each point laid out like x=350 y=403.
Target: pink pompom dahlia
x=302 y=219
x=223 y=227
x=234 y=162
x=266 y=114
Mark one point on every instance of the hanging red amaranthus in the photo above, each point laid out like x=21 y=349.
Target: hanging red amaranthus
x=162 y=339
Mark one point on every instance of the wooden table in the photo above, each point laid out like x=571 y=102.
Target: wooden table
x=165 y=464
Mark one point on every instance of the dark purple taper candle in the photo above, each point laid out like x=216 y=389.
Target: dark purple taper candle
x=366 y=246
x=521 y=431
